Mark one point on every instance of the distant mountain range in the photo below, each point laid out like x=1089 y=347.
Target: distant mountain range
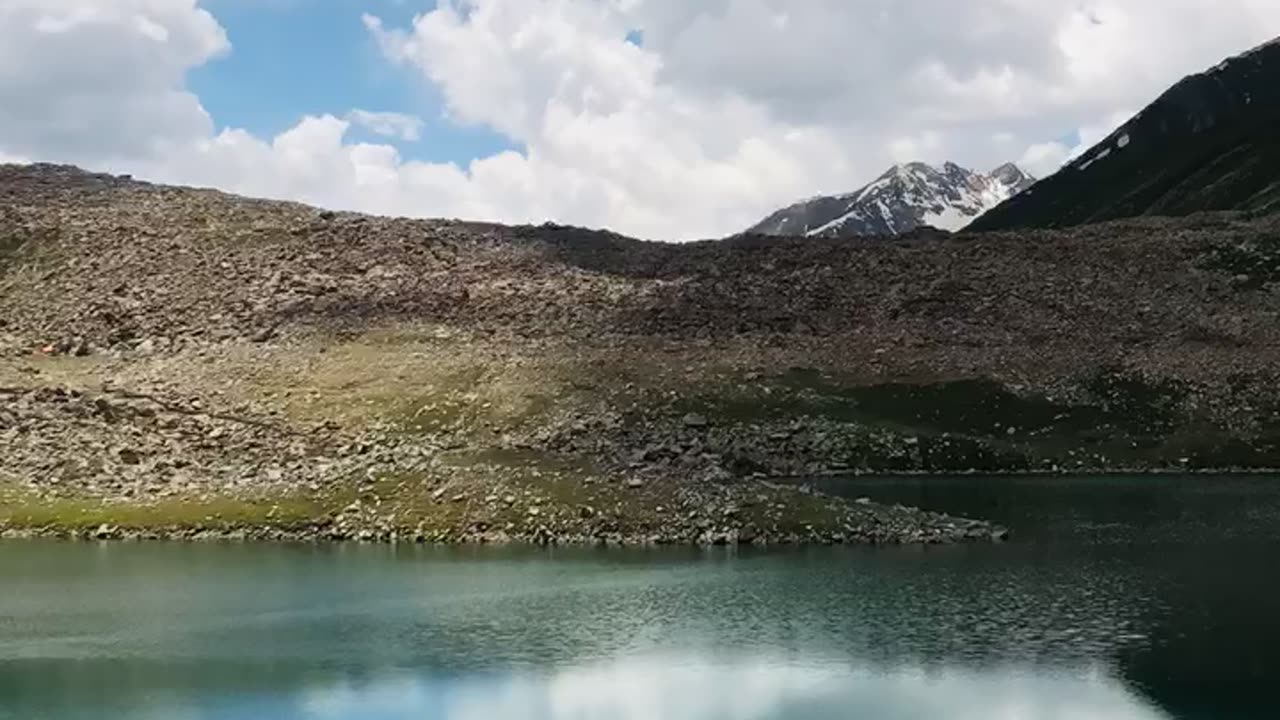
x=1211 y=142
x=904 y=198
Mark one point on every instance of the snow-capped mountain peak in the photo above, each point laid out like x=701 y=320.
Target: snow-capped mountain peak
x=1013 y=177
x=903 y=198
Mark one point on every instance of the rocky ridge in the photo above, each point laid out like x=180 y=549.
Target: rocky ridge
x=180 y=361
x=138 y=322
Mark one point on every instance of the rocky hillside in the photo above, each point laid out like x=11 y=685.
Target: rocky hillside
x=186 y=361
x=1208 y=143
x=904 y=198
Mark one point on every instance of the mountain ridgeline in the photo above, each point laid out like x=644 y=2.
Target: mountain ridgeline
x=1211 y=142
x=904 y=198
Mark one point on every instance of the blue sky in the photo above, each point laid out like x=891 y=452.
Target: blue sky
x=289 y=59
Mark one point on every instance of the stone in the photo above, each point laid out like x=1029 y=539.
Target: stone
x=635 y=483
x=104 y=409
x=696 y=421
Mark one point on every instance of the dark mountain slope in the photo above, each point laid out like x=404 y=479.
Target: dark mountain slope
x=1211 y=142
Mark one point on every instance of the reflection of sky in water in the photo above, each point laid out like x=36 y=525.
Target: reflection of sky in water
x=662 y=689
x=962 y=633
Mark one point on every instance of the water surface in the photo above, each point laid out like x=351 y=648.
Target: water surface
x=1122 y=598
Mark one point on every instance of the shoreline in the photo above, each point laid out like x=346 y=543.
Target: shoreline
x=923 y=528
x=1075 y=472
x=756 y=514
x=935 y=528
x=988 y=533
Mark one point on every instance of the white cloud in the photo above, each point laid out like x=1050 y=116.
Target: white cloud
x=1042 y=159
x=388 y=124
x=728 y=109
x=101 y=83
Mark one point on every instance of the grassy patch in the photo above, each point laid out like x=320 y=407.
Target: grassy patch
x=487 y=489
x=20 y=509
x=972 y=407
x=967 y=424
x=418 y=387
x=975 y=407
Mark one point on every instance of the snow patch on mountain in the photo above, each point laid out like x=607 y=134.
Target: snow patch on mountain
x=950 y=218
x=905 y=197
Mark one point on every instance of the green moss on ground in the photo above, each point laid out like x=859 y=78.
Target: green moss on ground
x=21 y=509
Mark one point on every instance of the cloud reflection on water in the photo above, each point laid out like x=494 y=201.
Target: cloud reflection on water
x=683 y=689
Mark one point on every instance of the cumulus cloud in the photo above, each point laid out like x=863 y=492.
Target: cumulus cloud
x=389 y=124
x=102 y=83
x=725 y=110
x=316 y=162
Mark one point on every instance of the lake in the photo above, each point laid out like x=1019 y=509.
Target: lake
x=1123 y=598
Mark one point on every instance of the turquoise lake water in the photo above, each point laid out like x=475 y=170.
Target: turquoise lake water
x=1122 y=598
